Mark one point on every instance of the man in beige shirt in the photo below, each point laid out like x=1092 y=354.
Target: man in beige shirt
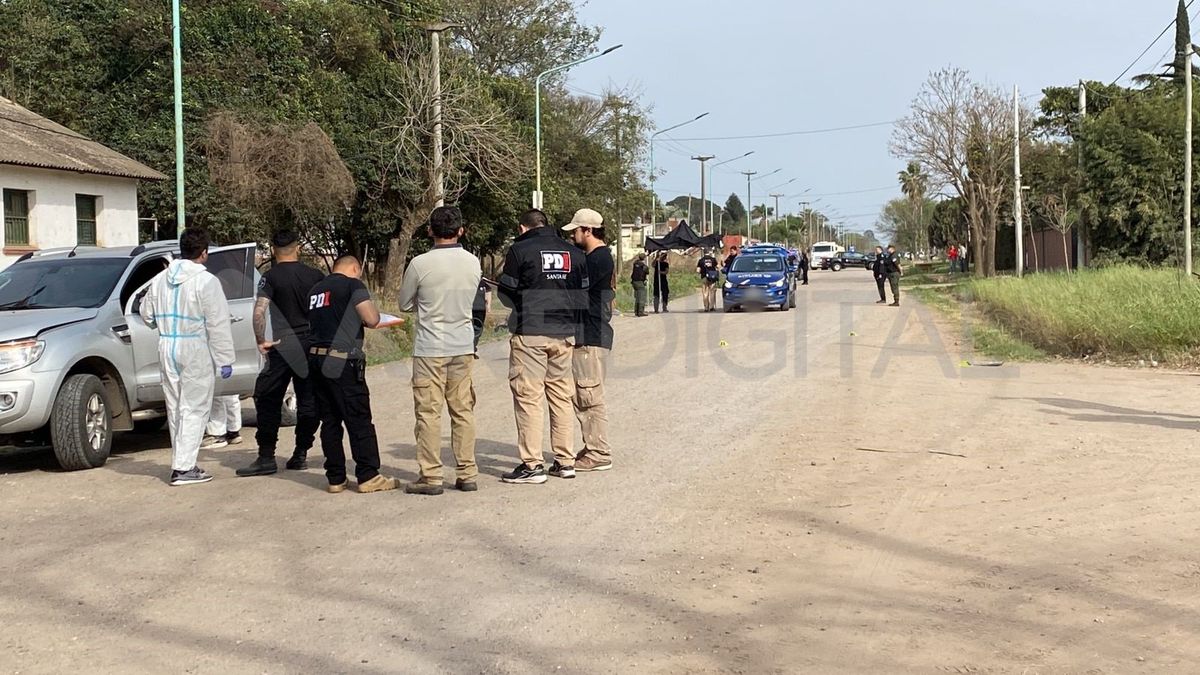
x=440 y=286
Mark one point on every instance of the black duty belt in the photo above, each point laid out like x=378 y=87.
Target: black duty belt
x=337 y=354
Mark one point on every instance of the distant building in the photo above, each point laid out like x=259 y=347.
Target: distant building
x=61 y=188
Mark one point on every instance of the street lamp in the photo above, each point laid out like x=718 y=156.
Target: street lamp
x=653 y=178
x=748 y=175
x=435 y=33
x=712 y=219
x=537 y=114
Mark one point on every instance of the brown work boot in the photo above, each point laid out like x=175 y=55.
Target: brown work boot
x=340 y=487
x=422 y=488
x=466 y=485
x=592 y=463
x=379 y=483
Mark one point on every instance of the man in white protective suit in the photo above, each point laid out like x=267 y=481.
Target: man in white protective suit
x=187 y=306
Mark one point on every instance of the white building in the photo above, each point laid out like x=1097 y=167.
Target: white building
x=61 y=188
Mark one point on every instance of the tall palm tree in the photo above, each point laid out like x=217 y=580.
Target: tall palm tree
x=914 y=183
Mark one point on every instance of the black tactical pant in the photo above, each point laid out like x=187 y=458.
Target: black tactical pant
x=894 y=280
x=662 y=293
x=881 y=281
x=343 y=399
x=270 y=388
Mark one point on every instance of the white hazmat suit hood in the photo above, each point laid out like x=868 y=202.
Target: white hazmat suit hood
x=187 y=306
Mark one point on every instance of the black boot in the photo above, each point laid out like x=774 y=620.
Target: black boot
x=262 y=466
x=299 y=461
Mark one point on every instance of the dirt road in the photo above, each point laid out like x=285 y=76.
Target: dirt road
x=814 y=491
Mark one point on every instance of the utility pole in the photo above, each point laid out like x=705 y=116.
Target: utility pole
x=1019 y=221
x=776 y=195
x=1079 y=253
x=177 y=58
x=748 y=175
x=806 y=214
x=1187 y=167
x=439 y=177
x=703 y=159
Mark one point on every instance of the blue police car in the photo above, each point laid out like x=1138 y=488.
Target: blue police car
x=760 y=277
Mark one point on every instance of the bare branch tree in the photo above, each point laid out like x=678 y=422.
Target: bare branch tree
x=287 y=176
x=479 y=143
x=1063 y=217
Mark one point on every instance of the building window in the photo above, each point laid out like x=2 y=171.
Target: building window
x=85 y=220
x=16 y=218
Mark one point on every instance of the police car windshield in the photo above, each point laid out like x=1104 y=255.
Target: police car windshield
x=757 y=263
x=65 y=282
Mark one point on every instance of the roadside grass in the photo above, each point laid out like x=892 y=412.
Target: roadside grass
x=682 y=282
x=1118 y=313
x=987 y=338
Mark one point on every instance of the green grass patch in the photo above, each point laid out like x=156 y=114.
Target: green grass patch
x=682 y=282
x=987 y=338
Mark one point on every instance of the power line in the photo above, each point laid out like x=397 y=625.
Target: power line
x=804 y=132
x=1150 y=46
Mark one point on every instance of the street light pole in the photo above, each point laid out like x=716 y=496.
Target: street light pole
x=654 y=178
x=748 y=175
x=537 y=114
x=435 y=35
x=177 y=58
x=713 y=167
x=703 y=159
x=776 y=195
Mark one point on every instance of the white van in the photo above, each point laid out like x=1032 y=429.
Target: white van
x=822 y=250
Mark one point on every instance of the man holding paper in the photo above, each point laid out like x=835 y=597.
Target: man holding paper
x=441 y=287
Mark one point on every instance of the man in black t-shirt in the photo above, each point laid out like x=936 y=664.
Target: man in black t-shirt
x=595 y=342
x=709 y=276
x=283 y=293
x=339 y=307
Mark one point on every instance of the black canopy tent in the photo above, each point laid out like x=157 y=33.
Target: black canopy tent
x=682 y=238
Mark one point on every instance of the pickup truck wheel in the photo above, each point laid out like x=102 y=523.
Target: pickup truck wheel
x=836 y=267
x=80 y=424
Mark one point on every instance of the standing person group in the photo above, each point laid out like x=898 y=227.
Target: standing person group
x=887 y=269
x=561 y=295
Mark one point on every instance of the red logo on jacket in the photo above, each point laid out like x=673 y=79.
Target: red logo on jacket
x=556 y=262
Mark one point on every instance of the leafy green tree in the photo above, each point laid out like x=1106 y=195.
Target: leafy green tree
x=735 y=210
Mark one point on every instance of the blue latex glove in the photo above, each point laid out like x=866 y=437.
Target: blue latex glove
x=226 y=372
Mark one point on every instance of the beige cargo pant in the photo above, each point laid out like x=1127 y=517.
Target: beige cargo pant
x=539 y=370
x=589 y=365
x=437 y=381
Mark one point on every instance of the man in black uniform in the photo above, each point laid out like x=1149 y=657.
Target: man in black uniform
x=805 y=265
x=894 y=272
x=479 y=311
x=662 y=286
x=340 y=307
x=880 y=274
x=733 y=254
x=283 y=292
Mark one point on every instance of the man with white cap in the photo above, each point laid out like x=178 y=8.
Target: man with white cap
x=594 y=343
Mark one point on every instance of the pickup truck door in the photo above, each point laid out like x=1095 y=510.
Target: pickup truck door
x=234 y=268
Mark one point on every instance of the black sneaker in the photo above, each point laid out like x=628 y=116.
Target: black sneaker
x=298 y=462
x=559 y=471
x=262 y=466
x=526 y=474
x=233 y=438
x=193 y=476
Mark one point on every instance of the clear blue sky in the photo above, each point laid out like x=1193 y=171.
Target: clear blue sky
x=788 y=65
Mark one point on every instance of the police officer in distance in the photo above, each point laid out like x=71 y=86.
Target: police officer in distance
x=544 y=283
x=340 y=307
x=877 y=270
x=894 y=271
x=283 y=292
x=637 y=279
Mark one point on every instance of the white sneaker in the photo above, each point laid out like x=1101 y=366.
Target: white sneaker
x=213 y=443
